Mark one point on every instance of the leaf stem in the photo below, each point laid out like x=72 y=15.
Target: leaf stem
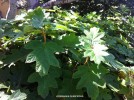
x=86 y=60
x=44 y=36
x=8 y=89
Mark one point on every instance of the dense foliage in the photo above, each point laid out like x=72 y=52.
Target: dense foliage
x=45 y=54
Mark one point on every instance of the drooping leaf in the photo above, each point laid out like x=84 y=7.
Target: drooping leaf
x=45 y=83
x=90 y=78
x=44 y=56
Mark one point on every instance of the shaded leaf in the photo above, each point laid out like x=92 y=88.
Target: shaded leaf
x=45 y=83
x=69 y=88
x=104 y=94
x=15 y=56
x=90 y=78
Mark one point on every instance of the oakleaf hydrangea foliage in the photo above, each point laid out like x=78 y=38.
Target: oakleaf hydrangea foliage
x=45 y=53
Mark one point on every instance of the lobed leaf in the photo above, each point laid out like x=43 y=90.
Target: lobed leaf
x=91 y=77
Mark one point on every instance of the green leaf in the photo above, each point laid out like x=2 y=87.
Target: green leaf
x=17 y=95
x=70 y=40
x=62 y=27
x=104 y=94
x=44 y=56
x=92 y=44
x=28 y=29
x=68 y=85
x=36 y=17
x=69 y=88
x=96 y=53
x=94 y=35
x=124 y=50
x=45 y=83
x=112 y=82
x=90 y=78
x=17 y=54
x=110 y=59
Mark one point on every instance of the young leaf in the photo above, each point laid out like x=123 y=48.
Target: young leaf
x=92 y=44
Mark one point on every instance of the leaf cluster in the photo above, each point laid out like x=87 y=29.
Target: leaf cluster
x=47 y=53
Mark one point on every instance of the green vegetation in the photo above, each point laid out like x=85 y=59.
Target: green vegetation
x=49 y=52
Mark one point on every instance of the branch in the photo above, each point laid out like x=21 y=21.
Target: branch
x=12 y=10
x=52 y=3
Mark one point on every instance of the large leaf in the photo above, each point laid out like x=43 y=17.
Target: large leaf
x=44 y=56
x=90 y=78
x=46 y=82
x=93 y=45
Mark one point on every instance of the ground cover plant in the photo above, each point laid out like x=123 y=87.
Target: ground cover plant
x=48 y=53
